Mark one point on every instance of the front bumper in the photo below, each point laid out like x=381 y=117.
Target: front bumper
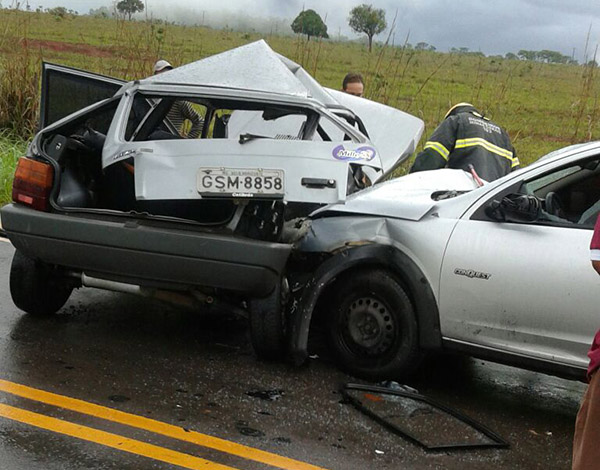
x=145 y=253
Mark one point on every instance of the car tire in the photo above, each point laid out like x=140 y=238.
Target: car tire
x=36 y=287
x=373 y=331
x=267 y=326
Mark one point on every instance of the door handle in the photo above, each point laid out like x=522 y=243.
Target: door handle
x=318 y=183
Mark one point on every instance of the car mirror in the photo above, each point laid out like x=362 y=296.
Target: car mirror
x=514 y=208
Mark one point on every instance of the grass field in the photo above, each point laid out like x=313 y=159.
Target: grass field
x=11 y=148
x=542 y=106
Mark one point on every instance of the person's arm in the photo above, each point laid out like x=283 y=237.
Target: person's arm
x=437 y=149
x=197 y=122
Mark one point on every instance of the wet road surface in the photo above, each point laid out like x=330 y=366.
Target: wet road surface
x=183 y=389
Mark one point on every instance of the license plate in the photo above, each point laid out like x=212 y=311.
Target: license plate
x=240 y=182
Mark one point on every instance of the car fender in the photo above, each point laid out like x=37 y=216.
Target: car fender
x=398 y=263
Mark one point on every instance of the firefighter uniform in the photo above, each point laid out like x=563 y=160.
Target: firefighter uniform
x=466 y=138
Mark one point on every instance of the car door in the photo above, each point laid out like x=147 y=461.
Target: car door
x=525 y=288
x=66 y=90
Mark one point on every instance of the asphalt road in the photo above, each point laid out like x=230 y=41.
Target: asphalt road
x=119 y=382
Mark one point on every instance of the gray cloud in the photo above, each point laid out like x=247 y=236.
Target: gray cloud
x=491 y=27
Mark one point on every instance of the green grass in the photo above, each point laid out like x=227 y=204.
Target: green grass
x=542 y=106
x=11 y=148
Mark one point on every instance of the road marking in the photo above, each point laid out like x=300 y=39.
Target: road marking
x=110 y=440
x=158 y=427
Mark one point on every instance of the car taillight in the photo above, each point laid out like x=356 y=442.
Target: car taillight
x=32 y=183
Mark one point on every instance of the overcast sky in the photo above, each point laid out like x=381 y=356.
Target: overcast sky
x=489 y=26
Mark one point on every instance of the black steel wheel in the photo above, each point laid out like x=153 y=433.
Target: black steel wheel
x=35 y=287
x=373 y=330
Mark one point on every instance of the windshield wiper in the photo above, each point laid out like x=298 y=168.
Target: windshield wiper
x=248 y=137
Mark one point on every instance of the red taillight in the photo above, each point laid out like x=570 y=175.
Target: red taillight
x=32 y=183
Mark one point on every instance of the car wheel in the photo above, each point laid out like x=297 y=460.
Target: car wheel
x=36 y=287
x=267 y=326
x=373 y=331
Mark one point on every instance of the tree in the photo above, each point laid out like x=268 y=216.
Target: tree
x=366 y=19
x=527 y=55
x=310 y=23
x=129 y=7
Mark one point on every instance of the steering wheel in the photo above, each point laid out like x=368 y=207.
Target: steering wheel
x=554 y=204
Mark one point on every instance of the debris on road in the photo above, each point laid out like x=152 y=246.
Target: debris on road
x=420 y=419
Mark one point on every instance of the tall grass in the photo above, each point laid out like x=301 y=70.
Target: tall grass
x=543 y=106
x=19 y=82
x=11 y=148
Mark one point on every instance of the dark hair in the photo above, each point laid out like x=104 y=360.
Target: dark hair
x=352 y=78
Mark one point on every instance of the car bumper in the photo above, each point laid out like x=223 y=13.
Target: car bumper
x=134 y=250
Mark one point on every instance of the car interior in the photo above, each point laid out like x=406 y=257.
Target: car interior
x=570 y=195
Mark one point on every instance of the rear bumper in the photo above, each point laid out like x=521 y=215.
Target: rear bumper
x=135 y=250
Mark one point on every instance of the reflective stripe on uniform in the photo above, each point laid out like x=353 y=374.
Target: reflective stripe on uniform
x=464 y=143
x=439 y=148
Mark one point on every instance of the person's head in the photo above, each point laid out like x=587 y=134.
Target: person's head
x=353 y=84
x=162 y=66
x=461 y=108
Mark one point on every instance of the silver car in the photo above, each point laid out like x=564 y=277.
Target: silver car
x=113 y=194
x=431 y=261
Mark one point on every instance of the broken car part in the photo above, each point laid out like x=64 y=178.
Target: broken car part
x=374 y=393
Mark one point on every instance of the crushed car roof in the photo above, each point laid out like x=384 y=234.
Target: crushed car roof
x=254 y=66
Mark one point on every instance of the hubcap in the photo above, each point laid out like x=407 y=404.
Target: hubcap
x=370 y=326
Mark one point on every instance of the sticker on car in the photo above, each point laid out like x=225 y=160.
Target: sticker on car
x=240 y=182
x=361 y=154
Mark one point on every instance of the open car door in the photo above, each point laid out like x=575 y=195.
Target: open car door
x=66 y=90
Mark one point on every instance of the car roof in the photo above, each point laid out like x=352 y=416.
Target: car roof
x=253 y=67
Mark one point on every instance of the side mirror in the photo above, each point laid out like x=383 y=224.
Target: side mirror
x=514 y=208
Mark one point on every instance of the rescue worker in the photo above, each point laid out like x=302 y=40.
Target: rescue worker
x=464 y=138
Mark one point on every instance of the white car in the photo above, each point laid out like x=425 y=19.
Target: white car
x=432 y=261
x=113 y=195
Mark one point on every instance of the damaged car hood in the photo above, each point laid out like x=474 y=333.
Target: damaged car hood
x=408 y=197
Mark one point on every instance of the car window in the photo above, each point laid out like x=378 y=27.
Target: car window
x=66 y=91
x=166 y=118
x=330 y=132
x=99 y=119
x=569 y=195
x=533 y=186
